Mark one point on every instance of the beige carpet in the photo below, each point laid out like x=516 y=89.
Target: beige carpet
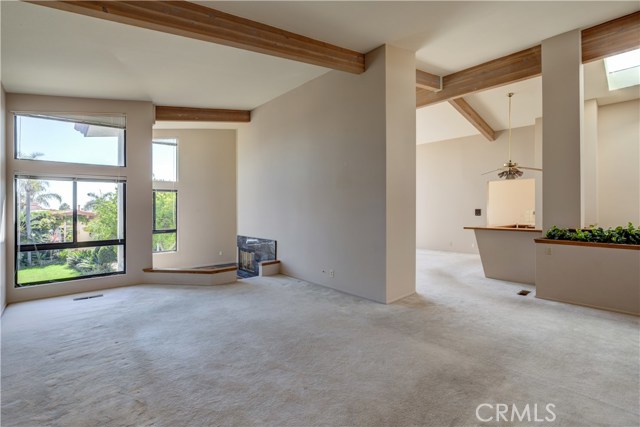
x=281 y=352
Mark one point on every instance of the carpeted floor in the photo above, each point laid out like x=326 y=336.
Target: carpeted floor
x=281 y=352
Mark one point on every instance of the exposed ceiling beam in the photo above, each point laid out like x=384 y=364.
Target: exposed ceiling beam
x=616 y=36
x=508 y=69
x=195 y=21
x=473 y=117
x=610 y=38
x=428 y=81
x=184 y=114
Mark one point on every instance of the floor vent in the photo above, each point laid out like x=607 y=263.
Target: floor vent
x=524 y=293
x=89 y=297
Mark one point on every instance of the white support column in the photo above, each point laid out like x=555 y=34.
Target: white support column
x=400 y=173
x=589 y=164
x=562 y=110
x=537 y=163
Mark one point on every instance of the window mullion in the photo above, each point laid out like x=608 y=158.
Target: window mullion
x=74 y=217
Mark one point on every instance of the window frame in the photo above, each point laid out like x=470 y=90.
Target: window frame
x=60 y=118
x=168 y=230
x=163 y=141
x=74 y=244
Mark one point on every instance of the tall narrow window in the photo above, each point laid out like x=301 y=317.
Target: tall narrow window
x=165 y=195
x=68 y=228
x=165 y=159
x=82 y=139
x=165 y=220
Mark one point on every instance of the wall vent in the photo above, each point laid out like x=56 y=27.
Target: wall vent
x=88 y=297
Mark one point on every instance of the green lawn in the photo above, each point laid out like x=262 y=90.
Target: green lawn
x=50 y=272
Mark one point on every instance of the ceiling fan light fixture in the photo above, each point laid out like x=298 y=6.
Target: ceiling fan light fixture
x=510 y=169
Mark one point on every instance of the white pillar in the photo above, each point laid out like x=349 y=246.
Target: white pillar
x=401 y=173
x=537 y=163
x=562 y=110
x=589 y=164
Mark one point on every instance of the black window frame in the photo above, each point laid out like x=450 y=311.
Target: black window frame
x=168 y=230
x=74 y=244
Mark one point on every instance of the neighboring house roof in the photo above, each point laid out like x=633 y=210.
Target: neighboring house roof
x=69 y=212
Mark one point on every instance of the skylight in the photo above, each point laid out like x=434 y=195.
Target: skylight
x=623 y=70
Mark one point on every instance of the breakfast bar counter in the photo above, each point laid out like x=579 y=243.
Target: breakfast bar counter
x=508 y=252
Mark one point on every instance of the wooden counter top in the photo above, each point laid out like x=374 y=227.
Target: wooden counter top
x=506 y=228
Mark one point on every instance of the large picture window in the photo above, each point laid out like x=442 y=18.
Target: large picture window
x=165 y=220
x=82 y=139
x=68 y=228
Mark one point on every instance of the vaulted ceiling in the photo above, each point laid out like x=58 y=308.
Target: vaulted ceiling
x=47 y=51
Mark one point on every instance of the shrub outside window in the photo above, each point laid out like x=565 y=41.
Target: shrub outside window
x=165 y=220
x=68 y=228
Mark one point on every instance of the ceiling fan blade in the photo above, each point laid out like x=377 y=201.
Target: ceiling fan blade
x=495 y=170
x=528 y=168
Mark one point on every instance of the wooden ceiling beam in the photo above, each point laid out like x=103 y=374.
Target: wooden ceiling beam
x=185 y=114
x=508 y=69
x=473 y=117
x=199 y=22
x=613 y=37
x=428 y=81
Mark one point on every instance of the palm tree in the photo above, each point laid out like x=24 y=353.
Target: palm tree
x=30 y=191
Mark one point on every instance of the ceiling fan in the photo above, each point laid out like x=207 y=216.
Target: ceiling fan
x=510 y=169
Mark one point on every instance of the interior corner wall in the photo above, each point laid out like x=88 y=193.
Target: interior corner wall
x=450 y=185
x=140 y=118
x=619 y=164
x=311 y=175
x=3 y=203
x=206 y=198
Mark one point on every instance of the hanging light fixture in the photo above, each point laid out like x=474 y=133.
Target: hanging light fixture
x=510 y=169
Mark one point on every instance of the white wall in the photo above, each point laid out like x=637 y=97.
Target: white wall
x=206 y=198
x=140 y=117
x=312 y=175
x=450 y=185
x=511 y=202
x=619 y=164
x=3 y=203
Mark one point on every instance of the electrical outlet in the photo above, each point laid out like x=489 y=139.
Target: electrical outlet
x=220 y=253
x=547 y=251
x=478 y=212
x=332 y=273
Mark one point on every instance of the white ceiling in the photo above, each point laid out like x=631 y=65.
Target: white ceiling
x=440 y=121
x=447 y=36
x=46 y=51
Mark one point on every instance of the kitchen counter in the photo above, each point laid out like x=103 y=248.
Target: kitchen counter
x=508 y=252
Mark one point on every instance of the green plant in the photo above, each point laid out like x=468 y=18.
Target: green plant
x=92 y=261
x=629 y=235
